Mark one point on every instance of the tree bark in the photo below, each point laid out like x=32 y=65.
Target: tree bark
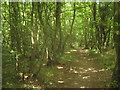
x=116 y=74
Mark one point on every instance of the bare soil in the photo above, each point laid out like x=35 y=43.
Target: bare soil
x=85 y=72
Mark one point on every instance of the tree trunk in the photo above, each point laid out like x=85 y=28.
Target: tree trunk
x=97 y=32
x=116 y=74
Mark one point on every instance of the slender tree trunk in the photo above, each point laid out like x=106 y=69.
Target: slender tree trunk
x=98 y=37
x=73 y=20
x=58 y=24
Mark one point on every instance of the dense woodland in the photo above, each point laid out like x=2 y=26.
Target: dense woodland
x=37 y=37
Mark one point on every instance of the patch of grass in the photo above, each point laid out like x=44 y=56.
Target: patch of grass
x=68 y=58
x=107 y=58
x=47 y=74
x=93 y=53
x=10 y=78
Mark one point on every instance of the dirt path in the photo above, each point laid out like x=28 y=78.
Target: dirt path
x=84 y=73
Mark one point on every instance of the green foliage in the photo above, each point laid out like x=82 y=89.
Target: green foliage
x=68 y=58
x=114 y=84
x=47 y=74
x=93 y=53
x=108 y=58
x=37 y=32
x=9 y=75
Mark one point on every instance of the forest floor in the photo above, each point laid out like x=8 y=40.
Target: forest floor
x=84 y=72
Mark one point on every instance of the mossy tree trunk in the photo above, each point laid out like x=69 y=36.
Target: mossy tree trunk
x=116 y=74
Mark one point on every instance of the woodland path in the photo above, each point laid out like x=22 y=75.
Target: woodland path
x=83 y=73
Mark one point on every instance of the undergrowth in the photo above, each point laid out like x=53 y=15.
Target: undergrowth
x=47 y=75
x=71 y=57
x=107 y=58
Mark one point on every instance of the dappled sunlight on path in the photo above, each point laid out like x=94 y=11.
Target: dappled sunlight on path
x=85 y=72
